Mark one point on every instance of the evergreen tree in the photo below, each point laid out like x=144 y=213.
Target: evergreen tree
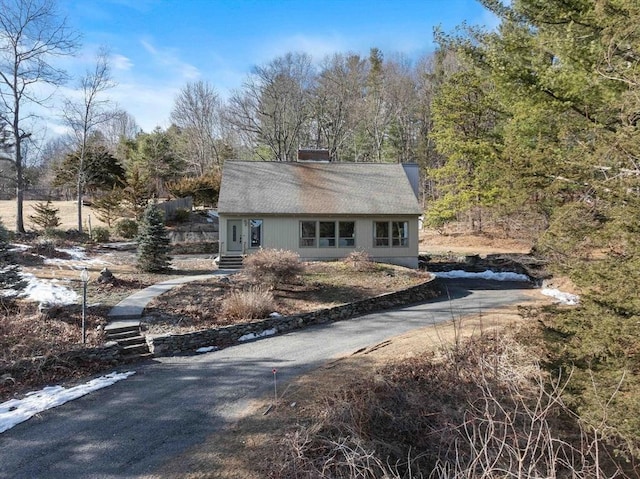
x=46 y=215
x=11 y=282
x=566 y=79
x=153 y=242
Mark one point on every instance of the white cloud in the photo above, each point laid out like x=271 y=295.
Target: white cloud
x=150 y=103
x=121 y=62
x=167 y=58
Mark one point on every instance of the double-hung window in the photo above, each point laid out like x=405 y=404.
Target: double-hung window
x=308 y=234
x=390 y=233
x=346 y=234
x=381 y=233
x=399 y=233
x=327 y=234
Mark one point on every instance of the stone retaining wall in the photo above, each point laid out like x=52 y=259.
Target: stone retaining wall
x=173 y=344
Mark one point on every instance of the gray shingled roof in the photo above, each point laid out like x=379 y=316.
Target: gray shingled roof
x=260 y=187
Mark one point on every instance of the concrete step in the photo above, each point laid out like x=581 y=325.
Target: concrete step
x=230 y=262
x=117 y=327
x=132 y=340
x=122 y=334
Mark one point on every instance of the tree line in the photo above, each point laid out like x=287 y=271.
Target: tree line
x=359 y=108
x=540 y=126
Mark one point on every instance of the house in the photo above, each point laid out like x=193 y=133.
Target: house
x=321 y=210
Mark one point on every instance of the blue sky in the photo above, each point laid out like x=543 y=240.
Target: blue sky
x=157 y=46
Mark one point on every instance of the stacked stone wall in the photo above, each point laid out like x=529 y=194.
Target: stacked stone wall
x=174 y=344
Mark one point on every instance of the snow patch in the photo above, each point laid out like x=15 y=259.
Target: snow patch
x=488 y=274
x=78 y=258
x=206 y=349
x=562 y=297
x=250 y=336
x=15 y=411
x=17 y=247
x=47 y=291
x=275 y=315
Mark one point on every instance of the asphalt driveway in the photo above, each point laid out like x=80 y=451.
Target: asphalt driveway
x=171 y=404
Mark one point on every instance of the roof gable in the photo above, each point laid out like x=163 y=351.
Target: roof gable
x=256 y=187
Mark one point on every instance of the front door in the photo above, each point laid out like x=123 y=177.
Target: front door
x=234 y=235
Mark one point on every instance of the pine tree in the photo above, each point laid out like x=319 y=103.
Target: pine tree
x=11 y=282
x=46 y=215
x=153 y=242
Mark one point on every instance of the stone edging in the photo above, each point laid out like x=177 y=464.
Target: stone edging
x=174 y=344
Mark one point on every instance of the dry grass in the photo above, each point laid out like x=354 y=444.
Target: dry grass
x=67 y=212
x=199 y=305
x=463 y=242
x=253 y=303
x=247 y=447
x=458 y=400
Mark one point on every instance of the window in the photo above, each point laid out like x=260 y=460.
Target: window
x=346 y=234
x=256 y=233
x=327 y=234
x=394 y=233
x=400 y=233
x=307 y=233
x=380 y=233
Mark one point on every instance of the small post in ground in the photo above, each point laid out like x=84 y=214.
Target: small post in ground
x=84 y=277
x=275 y=388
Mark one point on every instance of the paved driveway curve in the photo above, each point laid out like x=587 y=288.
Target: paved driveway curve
x=171 y=404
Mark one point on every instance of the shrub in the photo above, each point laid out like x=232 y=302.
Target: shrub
x=100 y=234
x=360 y=261
x=126 y=228
x=255 y=303
x=203 y=189
x=273 y=266
x=57 y=235
x=181 y=215
x=46 y=248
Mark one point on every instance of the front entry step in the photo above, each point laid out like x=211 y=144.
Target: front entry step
x=231 y=262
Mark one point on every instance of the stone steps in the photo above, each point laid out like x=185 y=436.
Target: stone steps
x=127 y=334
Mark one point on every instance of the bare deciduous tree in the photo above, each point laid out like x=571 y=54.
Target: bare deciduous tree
x=338 y=90
x=272 y=108
x=196 y=112
x=120 y=126
x=32 y=34
x=85 y=114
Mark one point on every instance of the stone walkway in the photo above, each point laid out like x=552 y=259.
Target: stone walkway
x=129 y=311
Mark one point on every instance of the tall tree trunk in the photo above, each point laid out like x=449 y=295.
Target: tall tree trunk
x=19 y=174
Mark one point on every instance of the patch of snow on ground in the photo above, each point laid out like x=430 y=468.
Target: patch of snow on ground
x=15 y=411
x=47 y=291
x=562 y=297
x=78 y=258
x=275 y=315
x=250 y=336
x=488 y=274
x=206 y=349
x=15 y=247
